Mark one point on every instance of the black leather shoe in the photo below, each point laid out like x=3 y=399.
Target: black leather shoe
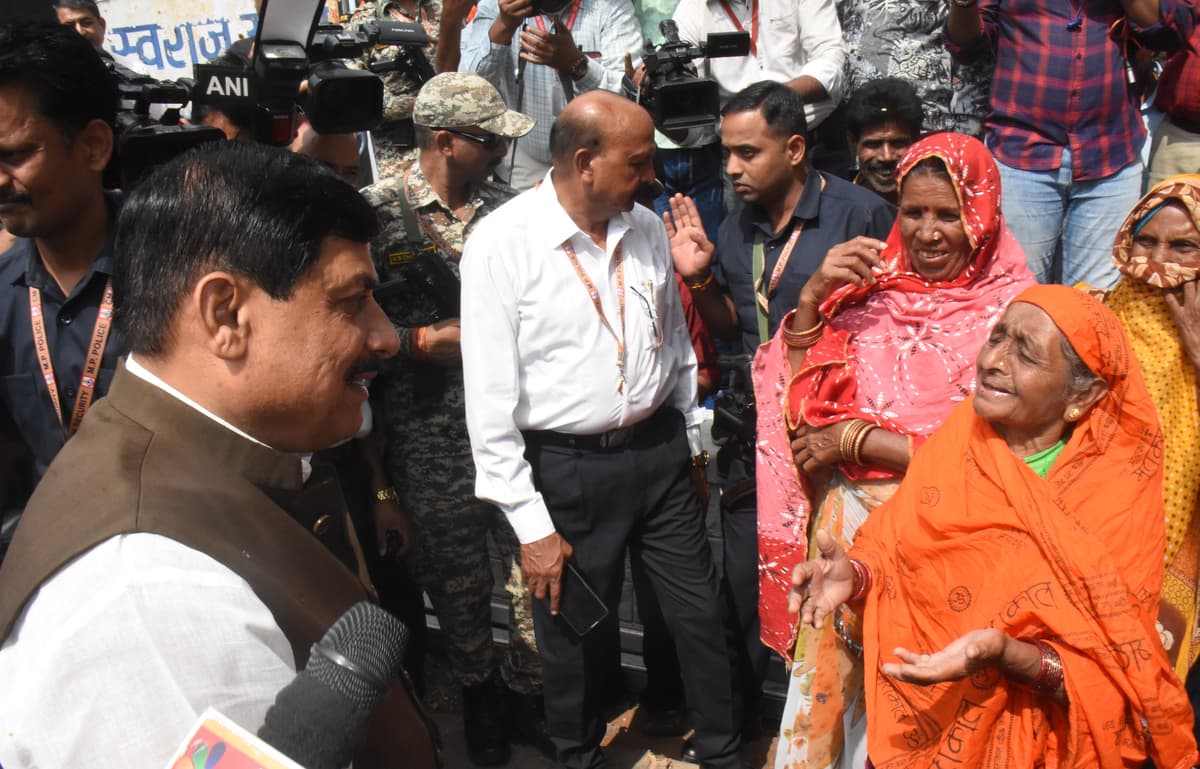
x=483 y=724
x=688 y=751
x=525 y=718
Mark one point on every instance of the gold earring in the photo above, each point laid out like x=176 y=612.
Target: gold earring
x=1073 y=414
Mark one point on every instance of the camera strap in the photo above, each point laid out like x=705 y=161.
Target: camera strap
x=571 y=16
x=763 y=298
x=564 y=79
x=91 y=365
x=737 y=23
x=618 y=257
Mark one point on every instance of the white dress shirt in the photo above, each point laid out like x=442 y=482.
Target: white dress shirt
x=795 y=38
x=119 y=652
x=536 y=355
x=604 y=31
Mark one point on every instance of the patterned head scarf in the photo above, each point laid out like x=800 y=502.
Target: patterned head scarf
x=1184 y=190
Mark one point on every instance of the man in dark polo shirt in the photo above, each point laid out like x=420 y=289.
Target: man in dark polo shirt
x=57 y=348
x=791 y=215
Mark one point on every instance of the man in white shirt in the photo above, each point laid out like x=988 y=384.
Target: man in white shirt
x=581 y=405
x=180 y=552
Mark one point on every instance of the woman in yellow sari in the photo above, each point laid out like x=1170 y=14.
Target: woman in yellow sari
x=1157 y=251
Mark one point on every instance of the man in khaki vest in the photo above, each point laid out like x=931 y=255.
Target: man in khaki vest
x=181 y=552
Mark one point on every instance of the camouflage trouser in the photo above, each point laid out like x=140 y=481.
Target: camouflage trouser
x=453 y=567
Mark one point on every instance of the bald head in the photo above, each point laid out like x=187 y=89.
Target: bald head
x=590 y=121
x=603 y=151
x=338 y=151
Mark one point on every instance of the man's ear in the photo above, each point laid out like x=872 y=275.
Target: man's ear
x=219 y=301
x=95 y=144
x=796 y=150
x=582 y=160
x=443 y=142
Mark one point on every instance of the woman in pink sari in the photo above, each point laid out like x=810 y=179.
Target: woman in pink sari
x=880 y=349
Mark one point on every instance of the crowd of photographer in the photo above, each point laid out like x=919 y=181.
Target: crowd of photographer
x=195 y=484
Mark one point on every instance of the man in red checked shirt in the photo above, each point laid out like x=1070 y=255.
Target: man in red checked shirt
x=1065 y=124
x=1176 y=145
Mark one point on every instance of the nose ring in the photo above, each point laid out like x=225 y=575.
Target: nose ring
x=1000 y=364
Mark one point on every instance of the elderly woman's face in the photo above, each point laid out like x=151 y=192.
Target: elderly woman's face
x=1022 y=379
x=931 y=227
x=1169 y=237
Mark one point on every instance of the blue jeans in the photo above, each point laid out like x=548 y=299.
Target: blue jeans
x=1043 y=208
x=695 y=172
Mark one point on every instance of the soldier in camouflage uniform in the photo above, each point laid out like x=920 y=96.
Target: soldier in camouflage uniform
x=425 y=216
x=395 y=148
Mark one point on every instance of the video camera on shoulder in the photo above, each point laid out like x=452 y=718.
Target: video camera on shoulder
x=674 y=93
x=262 y=85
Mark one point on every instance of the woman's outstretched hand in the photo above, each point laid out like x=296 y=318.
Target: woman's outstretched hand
x=968 y=654
x=822 y=584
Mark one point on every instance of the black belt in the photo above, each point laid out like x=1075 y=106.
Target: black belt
x=620 y=438
x=1191 y=126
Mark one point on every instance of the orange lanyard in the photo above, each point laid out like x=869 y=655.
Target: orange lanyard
x=738 y=24
x=569 y=250
x=91 y=366
x=570 y=20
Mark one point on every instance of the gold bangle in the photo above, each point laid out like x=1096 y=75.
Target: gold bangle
x=700 y=285
x=860 y=441
x=846 y=442
x=802 y=340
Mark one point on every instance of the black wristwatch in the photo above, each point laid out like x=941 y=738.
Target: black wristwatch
x=579 y=68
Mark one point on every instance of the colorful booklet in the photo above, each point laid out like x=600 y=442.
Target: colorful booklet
x=215 y=742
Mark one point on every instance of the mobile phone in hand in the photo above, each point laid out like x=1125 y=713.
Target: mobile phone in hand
x=578 y=603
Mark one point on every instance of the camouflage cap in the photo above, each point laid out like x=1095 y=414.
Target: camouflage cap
x=462 y=99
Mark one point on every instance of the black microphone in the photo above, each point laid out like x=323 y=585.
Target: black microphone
x=320 y=719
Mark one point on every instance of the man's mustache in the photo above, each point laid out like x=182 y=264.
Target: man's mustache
x=13 y=199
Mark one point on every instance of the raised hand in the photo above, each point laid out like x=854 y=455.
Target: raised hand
x=849 y=262
x=821 y=584
x=690 y=247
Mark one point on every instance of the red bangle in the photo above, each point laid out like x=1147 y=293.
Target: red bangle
x=1049 y=678
x=862 y=579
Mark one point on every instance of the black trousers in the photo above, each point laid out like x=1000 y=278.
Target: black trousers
x=637 y=498
x=739 y=530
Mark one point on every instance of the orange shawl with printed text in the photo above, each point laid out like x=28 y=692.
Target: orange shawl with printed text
x=974 y=538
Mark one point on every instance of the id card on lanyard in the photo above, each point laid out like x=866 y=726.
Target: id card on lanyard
x=91 y=366
x=763 y=295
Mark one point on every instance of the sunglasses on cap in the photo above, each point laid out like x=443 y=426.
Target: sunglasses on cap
x=487 y=141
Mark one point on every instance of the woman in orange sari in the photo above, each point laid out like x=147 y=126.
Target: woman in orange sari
x=1009 y=589
x=894 y=333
